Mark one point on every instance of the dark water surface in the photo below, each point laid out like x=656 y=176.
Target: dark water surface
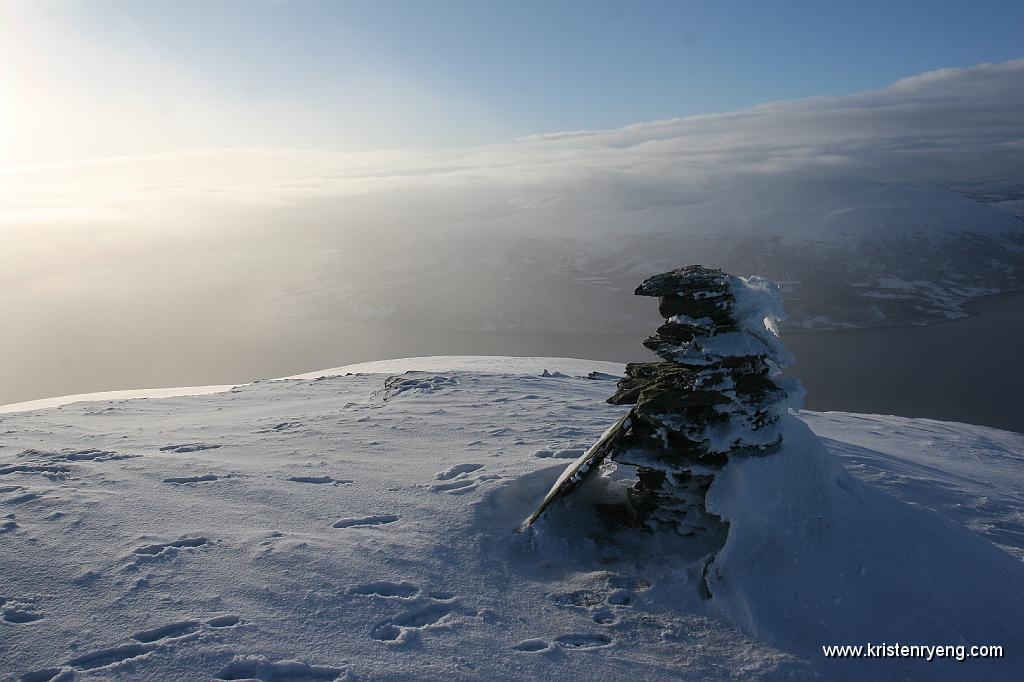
x=969 y=370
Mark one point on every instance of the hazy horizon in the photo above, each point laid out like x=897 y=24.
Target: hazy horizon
x=214 y=192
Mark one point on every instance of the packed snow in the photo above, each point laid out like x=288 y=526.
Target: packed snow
x=360 y=523
x=43 y=403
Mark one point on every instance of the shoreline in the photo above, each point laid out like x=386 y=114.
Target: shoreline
x=971 y=306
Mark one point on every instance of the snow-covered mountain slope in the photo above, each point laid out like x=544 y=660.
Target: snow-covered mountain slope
x=848 y=253
x=362 y=525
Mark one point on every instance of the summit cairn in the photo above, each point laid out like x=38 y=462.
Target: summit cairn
x=711 y=397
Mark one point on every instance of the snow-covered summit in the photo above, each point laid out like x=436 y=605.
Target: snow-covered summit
x=361 y=525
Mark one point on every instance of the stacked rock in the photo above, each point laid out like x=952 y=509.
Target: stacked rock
x=712 y=396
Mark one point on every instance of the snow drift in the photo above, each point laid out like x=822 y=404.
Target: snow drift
x=814 y=556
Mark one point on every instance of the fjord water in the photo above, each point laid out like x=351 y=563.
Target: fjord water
x=969 y=370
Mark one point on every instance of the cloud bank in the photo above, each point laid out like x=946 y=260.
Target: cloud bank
x=947 y=126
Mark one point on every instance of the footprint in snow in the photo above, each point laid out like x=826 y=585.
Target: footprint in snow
x=189 y=447
x=532 y=646
x=408 y=624
x=162 y=549
x=51 y=471
x=321 y=480
x=560 y=453
x=457 y=481
x=580 y=598
x=183 y=480
x=281 y=426
x=606 y=603
x=146 y=641
x=582 y=640
x=177 y=630
x=91 y=455
x=463 y=485
x=184 y=628
x=359 y=521
x=385 y=588
x=22 y=499
x=102 y=658
x=453 y=471
x=265 y=670
x=19 y=611
x=88 y=455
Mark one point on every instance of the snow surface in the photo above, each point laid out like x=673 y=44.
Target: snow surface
x=362 y=526
x=485 y=364
x=489 y=364
x=58 y=401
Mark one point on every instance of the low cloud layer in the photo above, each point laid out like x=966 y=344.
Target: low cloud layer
x=952 y=125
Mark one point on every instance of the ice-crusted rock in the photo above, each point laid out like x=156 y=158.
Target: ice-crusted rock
x=711 y=397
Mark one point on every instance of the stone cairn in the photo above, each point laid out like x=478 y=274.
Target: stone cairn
x=711 y=397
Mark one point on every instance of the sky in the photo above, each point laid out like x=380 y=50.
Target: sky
x=86 y=80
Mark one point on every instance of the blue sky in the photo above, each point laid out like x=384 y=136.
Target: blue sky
x=108 y=78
